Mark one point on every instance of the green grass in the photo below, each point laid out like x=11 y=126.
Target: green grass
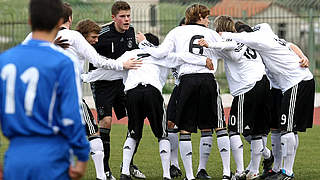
x=306 y=167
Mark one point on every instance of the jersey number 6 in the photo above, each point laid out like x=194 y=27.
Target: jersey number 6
x=193 y=46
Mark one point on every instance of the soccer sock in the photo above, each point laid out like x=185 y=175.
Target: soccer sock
x=128 y=150
x=288 y=142
x=186 y=154
x=266 y=152
x=96 y=151
x=105 y=137
x=256 y=152
x=174 y=143
x=237 y=150
x=204 y=149
x=164 y=149
x=223 y=142
x=276 y=150
x=297 y=144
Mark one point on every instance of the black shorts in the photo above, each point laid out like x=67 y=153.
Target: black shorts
x=199 y=104
x=297 y=107
x=91 y=124
x=108 y=94
x=146 y=101
x=276 y=98
x=250 y=112
x=172 y=105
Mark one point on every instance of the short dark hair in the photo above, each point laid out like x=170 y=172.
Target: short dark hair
x=241 y=26
x=87 y=26
x=153 y=39
x=45 y=14
x=182 y=21
x=118 y=6
x=67 y=12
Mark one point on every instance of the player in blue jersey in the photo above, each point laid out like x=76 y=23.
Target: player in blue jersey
x=40 y=103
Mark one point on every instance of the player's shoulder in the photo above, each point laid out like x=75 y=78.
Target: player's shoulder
x=106 y=28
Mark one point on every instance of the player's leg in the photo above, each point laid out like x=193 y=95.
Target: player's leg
x=205 y=147
x=103 y=94
x=135 y=126
x=96 y=145
x=236 y=146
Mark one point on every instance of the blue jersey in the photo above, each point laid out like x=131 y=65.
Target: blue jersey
x=40 y=95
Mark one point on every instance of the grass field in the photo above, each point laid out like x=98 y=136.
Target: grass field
x=307 y=163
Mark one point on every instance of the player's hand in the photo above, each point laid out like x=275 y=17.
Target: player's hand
x=140 y=37
x=203 y=43
x=78 y=171
x=132 y=64
x=304 y=62
x=209 y=64
x=61 y=42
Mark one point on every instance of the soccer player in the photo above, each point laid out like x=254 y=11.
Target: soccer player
x=90 y=31
x=115 y=39
x=296 y=83
x=40 y=103
x=199 y=104
x=250 y=87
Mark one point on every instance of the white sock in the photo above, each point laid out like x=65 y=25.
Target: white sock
x=256 y=152
x=223 y=142
x=174 y=143
x=186 y=154
x=276 y=150
x=248 y=139
x=237 y=151
x=204 y=149
x=266 y=152
x=164 y=149
x=96 y=151
x=128 y=150
x=296 y=146
x=288 y=142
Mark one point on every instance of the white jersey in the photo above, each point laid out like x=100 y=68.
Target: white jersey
x=243 y=65
x=183 y=39
x=80 y=48
x=282 y=63
x=153 y=71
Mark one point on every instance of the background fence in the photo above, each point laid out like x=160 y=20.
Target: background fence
x=297 y=21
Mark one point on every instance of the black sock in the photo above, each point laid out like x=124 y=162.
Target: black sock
x=105 y=137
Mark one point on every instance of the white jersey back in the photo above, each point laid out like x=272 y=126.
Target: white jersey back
x=243 y=66
x=183 y=39
x=282 y=63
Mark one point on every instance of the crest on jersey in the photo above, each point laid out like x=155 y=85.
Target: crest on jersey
x=130 y=44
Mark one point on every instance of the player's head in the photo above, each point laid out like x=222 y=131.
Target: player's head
x=45 y=15
x=182 y=21
x=121 y=15
x=242 y=27
x=224 y=24
x=153 y=39
x=89 y=30
x=67 y=13
x=197 y=13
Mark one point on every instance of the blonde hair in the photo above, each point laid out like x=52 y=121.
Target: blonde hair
x=224 y=24
x=195 y=11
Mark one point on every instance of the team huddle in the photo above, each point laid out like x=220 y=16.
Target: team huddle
x=42 y=113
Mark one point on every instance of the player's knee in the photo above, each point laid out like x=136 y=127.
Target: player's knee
x=257 y=148
x=221 y=132
x=170 y=125
x=105 y=122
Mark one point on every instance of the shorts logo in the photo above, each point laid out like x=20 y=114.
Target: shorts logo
x=101 y=111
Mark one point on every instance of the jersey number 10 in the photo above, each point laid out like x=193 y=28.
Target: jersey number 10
x=29 y=77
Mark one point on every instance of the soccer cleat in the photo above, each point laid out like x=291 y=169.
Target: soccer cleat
x=240 y=176
x=109 y=176
x=185 y=178
x=202 y=174
x=165 y=178
x=252 y=176
x=268 y=174
x=175 y=172
x=281 y=176
x=135 y=172
x=225 y=177
x=267 y=166
x=125 y=177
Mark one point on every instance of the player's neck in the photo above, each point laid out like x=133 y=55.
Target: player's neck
x=65 y=25
x=119 y=29
x=44 y=35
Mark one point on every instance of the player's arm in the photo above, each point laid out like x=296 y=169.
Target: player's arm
x=253 y=40
x=158 y=52
x=304 y=61
x=93 y=57
x=70 y=121
x=219 y=45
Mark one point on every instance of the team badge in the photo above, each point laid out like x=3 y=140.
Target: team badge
x=130 y=44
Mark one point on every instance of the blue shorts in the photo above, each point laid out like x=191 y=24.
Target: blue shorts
x=37 y=158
